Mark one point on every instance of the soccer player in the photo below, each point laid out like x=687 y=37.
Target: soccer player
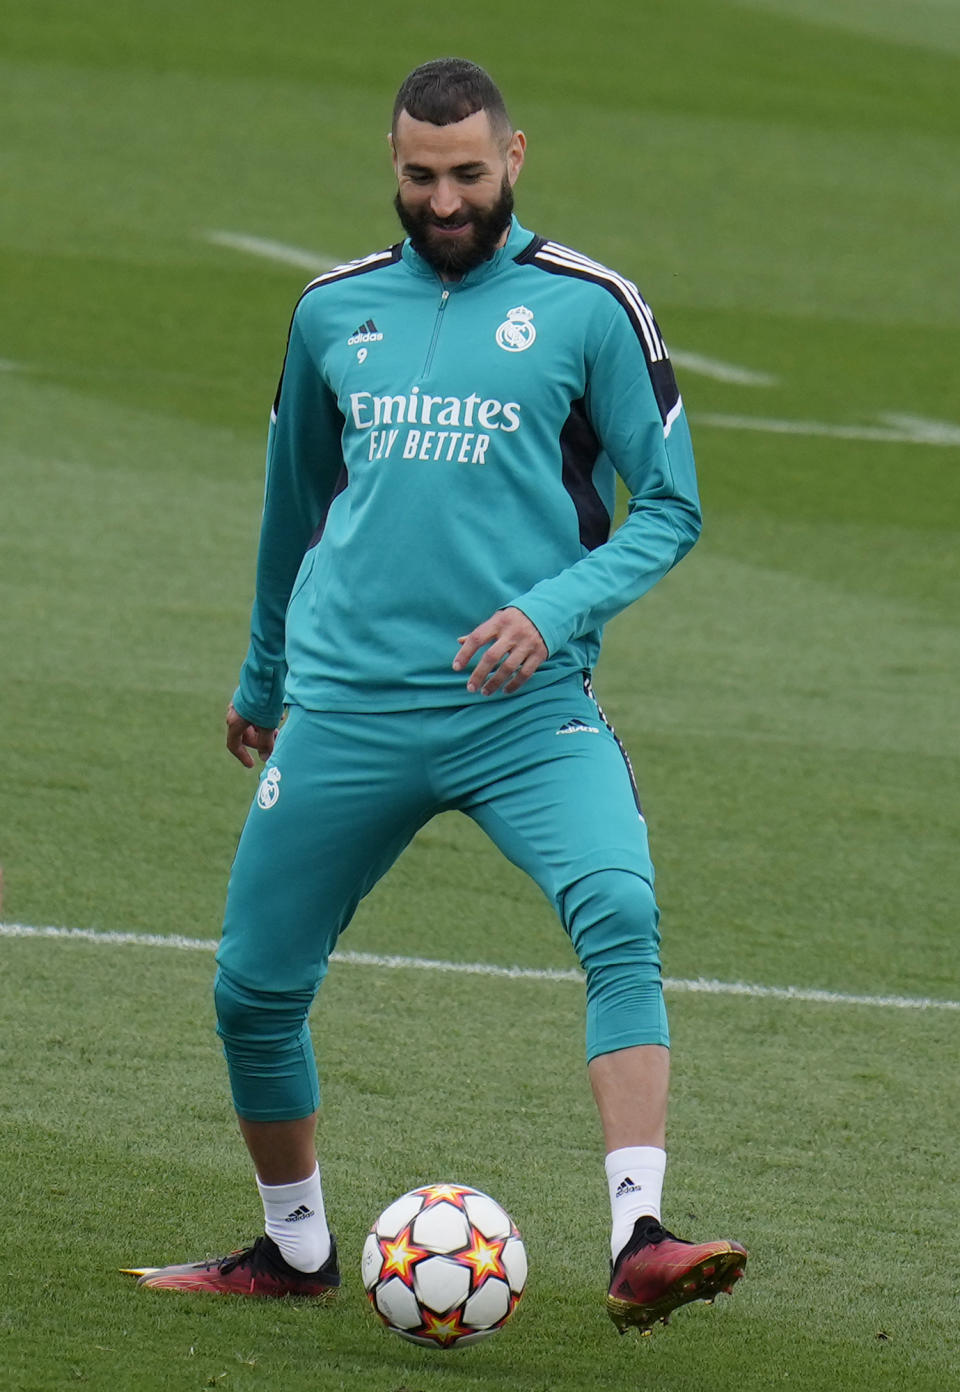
x=435 y=569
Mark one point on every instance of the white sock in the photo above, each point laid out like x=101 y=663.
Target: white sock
x=635 y=1178
x=294 y=1217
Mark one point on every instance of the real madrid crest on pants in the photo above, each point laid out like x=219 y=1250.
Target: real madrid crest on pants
x=269 y=789
x=517 y=332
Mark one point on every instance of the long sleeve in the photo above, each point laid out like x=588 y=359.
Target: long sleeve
x=304 y=462
x=636 y=414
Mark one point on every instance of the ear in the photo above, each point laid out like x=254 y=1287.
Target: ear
x=516 y=153
x=393 y=150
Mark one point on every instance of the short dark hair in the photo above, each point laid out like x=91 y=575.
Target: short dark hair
x=447 y=90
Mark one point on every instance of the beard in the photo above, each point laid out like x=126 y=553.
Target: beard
x=456 y=256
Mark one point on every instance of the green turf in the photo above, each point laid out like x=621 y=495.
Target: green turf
x=812 y=1179
x=780 y=177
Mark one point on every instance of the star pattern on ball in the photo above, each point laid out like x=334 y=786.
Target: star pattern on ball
x=400 y=1255
x=443 y=1329
x=484 y=1258
x=442 y=1193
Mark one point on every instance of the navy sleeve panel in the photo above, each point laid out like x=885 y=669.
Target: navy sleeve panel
x=580 y=450
x=635 y=411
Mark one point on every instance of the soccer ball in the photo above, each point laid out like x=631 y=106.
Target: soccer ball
x=444 y=1265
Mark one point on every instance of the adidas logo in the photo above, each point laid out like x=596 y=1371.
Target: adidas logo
x=578 y=727
x=367 y=333
x=628 y=1186
x=298 y=1214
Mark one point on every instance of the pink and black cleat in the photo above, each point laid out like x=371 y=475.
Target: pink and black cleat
x=656 y=1272
x=256 y=1270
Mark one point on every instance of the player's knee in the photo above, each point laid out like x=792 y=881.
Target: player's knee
x=612 y=918
x=265 y=1019
x=266 y=1042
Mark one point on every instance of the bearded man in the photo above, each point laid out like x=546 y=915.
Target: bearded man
x=436 y=565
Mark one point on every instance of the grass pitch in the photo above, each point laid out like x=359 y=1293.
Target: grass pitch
x=779 y=176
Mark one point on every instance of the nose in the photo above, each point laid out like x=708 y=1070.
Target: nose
x=445 y=199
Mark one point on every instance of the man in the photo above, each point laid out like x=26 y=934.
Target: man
x=441 y=469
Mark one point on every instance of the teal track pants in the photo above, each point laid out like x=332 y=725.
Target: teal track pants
x=342 y=795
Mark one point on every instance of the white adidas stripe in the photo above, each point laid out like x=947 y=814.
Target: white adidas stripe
x=700 y=986
x=564 y=263
x=656 y=348
x=574 y=261
x=376 y=258
x=629 y=286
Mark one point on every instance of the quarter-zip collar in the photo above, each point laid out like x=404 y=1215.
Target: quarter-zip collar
x=518 y=239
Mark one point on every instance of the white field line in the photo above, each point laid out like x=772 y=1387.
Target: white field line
x=721 y=371
x=273 y=251
x=373 y=959
x=927 y=431
x=898 y=430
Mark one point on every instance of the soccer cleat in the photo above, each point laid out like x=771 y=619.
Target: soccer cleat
x=256 y=1270
x=656 y=1272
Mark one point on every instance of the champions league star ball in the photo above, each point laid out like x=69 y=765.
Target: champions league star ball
x=444 y=1265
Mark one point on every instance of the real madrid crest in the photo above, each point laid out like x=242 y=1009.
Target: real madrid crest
x=516 y=333
x=269 y=789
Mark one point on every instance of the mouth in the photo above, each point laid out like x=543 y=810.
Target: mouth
x=448 y=229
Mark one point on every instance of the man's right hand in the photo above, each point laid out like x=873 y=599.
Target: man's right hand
x=242 y=737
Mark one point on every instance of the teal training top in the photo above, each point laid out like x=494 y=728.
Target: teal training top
x=438 y=451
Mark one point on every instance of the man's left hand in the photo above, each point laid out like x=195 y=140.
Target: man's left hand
x=516 y=651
